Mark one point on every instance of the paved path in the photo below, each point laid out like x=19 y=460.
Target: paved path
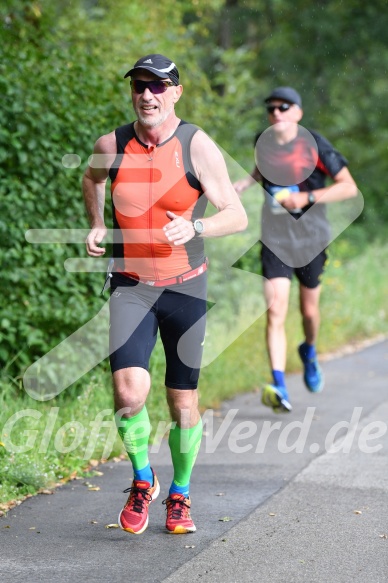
x=296 y=512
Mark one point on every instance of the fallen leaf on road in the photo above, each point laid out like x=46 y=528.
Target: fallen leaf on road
x=383 y=535
x=225 y=519
x=32 y=528
x=94 y=488
x=271 y=514
x=93 y=463
x=357 y=511
x=189 y=546
x=220 y=494
x=48 y=492
x=112 y=526
x=93 y=522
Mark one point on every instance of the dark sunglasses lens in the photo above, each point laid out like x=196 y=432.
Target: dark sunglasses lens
x=157 y=87
x=154 y=86
x=138 y=86
x=282 y=108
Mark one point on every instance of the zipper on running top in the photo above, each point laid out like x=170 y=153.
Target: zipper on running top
x=150 y=225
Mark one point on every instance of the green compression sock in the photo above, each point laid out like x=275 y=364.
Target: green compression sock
x=184 y=445
x=135 y=432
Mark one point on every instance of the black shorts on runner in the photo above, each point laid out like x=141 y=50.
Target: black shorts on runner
x=309 y=275
x=138 y=311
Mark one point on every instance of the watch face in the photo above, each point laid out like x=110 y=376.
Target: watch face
x=198 y=226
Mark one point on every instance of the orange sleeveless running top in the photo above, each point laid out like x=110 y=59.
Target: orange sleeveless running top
x=144 y=185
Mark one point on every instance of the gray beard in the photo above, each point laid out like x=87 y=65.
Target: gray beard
x=146 y=122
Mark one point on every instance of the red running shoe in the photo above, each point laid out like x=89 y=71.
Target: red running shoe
x=178 y=519
x=134 y=516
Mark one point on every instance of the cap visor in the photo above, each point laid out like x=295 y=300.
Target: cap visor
x=150 y=69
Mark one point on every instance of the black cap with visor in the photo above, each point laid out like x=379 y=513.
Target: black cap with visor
x=159 y=65
x=285 y=94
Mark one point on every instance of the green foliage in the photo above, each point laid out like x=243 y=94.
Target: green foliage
x=62 y=86
x=334 y=52
x=48 y=87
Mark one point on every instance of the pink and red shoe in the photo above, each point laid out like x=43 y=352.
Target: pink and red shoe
x=178 y=519
x=134 y=516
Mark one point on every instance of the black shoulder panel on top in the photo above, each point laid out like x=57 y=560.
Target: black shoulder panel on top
x=331 y=158
x=185 y=132
x=123 y=135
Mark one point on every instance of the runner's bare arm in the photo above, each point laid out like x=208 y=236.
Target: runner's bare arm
x=343 y=187
x=241 y=185
x=212 y=173
x=93 y=187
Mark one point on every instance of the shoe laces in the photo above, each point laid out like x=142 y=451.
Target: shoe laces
x=137 y=498
x=176 y=508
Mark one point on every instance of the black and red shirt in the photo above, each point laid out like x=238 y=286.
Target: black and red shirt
x=307 y=162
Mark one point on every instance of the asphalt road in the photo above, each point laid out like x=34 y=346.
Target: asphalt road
x=276 y=499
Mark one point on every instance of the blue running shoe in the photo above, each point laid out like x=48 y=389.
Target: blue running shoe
x=313 y=376
x=276 y=398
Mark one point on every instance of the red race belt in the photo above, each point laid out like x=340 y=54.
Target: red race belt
x=172 y=280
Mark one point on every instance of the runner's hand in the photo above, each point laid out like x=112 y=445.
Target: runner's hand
x=296 y=200
x=178 y=231
x=93 y=240
x=241 y=185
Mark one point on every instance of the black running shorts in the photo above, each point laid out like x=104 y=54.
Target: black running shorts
x=138 y=311
x=309 y=275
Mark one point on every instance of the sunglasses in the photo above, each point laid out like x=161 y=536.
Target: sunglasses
x=282 y=108
x=155 y=87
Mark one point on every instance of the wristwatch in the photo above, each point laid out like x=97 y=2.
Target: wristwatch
x=311 y=197
x=199 y=227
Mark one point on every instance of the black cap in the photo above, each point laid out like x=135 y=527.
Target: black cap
x=157 y=64
x=286 y=94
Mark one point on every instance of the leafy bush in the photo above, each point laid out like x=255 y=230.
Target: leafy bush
x=49 y=110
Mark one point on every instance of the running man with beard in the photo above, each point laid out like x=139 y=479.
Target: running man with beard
x=162 y=172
